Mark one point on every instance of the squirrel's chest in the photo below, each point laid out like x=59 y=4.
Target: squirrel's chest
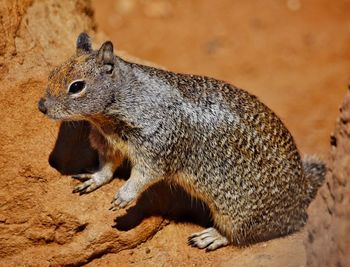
x=114 y=142
x=107 y=142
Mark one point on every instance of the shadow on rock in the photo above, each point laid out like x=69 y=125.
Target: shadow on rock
x=73 y=154
x=169 y=201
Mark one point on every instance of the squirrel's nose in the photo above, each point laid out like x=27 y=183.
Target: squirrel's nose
x=41 y=106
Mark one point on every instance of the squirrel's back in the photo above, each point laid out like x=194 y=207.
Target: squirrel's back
x=233 y=152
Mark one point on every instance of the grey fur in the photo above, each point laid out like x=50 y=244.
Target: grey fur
x=217 y=141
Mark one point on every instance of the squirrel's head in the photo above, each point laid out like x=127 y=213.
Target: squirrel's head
x=80 y=87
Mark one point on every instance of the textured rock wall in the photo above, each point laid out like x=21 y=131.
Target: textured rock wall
x=328 y=230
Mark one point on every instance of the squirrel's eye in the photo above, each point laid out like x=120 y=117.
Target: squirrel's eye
x=76 y=87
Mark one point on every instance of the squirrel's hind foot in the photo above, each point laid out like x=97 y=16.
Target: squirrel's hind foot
x=210 y=239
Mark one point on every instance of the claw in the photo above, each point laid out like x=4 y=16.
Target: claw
x=85 y=187
x=113 y=208
x=119 y=203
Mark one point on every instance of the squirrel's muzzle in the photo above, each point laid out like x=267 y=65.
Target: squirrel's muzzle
x=41 y=105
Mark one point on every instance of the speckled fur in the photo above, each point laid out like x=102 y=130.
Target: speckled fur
x=217 y=141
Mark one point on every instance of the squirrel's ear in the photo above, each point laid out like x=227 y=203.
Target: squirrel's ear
x=83 y=44
x=105 y=53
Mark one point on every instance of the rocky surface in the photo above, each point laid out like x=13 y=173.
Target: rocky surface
x=328 y=230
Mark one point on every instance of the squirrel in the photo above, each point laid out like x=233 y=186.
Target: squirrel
x=217 y=141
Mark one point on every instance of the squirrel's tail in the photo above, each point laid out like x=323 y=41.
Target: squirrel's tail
x=315 y=172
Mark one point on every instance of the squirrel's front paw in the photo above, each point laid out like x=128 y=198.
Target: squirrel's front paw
x=122 y=198
x=91 y=181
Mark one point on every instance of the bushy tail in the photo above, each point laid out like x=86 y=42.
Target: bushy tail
x=315 y=172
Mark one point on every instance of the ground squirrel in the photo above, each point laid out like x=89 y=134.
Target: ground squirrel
x=220 y=143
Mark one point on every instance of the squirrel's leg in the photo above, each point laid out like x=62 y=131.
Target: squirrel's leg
x=210 y=239
x=139 y=180
x=99 y=178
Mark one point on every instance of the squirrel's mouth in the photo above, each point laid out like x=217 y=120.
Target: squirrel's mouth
x=63 y=116
x=55 y=111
